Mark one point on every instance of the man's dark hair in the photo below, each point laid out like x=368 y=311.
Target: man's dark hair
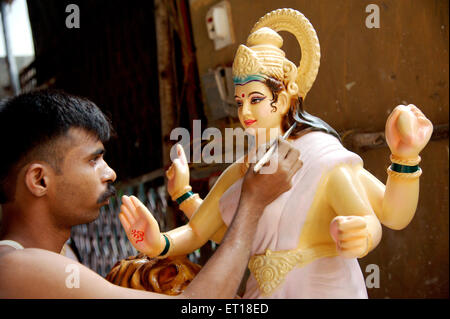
x=31 y=123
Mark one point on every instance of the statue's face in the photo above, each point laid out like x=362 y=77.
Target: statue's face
x=255 y=110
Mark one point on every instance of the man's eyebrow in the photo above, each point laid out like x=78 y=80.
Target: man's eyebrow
x=100 y=151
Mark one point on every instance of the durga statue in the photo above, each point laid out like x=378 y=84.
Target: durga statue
x=308 y=240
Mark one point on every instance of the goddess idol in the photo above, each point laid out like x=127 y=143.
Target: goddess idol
x=308 y=240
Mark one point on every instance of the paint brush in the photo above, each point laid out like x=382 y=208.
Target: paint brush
x=273 y=146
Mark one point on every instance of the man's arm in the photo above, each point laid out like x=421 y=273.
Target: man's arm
x=222 y=271
x=37 y=273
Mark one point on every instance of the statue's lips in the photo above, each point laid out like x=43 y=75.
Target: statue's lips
x=249 y=122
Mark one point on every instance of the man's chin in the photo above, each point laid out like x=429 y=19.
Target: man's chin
x=92 y=216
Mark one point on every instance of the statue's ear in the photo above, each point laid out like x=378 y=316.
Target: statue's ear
x=283 y=102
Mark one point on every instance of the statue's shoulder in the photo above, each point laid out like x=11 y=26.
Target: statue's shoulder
x=320 y=149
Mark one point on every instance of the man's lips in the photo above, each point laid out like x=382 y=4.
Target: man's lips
x=249 y=122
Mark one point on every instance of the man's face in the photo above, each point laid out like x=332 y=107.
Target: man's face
x=84 y=182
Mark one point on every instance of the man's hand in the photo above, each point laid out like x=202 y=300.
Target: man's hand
x=407 y=131
x=351 y=236
x=178 y=175
x=140 y=226
x=265 y=188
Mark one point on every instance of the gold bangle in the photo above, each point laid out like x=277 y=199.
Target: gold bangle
x=404 y=175
x=406 y=161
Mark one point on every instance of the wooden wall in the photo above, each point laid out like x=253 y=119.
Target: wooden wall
x=364 y=74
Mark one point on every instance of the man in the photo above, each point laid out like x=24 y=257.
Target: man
x=53 y=176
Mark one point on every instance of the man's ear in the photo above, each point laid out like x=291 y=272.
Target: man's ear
x=37 y=179
x=283 y=102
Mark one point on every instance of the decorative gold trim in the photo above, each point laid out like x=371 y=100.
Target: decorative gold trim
x=271 y=268
x=405 y=161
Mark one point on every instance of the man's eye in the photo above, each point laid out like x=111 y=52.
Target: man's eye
x=95 y=159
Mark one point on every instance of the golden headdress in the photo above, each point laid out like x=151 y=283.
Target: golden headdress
x=263 y=57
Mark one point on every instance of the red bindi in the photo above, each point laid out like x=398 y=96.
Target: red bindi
x=243 y=95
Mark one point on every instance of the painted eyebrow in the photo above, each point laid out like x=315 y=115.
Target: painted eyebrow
x=256 y=93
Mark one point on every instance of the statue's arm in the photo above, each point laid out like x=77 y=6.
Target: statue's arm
x=190 y=206
x=394 y=204
x=355 y=229
x=407 y=133
x=206 y=222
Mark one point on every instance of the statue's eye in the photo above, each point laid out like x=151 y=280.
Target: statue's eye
x=256 y=100
x=238 y=103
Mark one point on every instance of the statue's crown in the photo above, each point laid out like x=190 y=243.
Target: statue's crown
x=262 y=57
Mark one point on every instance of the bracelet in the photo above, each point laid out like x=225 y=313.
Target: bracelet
x=167 y=247
x=404 y=168
x=408 y=175
x=183 y=197
x=408 y=162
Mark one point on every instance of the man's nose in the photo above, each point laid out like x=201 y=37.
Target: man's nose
x=109 y=175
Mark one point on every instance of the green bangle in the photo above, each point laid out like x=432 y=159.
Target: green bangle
x=166 y=248
x=183 y=197
x=404 y=168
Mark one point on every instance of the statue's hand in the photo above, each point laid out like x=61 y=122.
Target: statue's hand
x=350 y=235
x=140 y=226
x=407 y=131
x=178 y=175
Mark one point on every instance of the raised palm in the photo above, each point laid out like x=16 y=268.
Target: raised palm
x=178 y=175
x=407 y=131
x=140 y=226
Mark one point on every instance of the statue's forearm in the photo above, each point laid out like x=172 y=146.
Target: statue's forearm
x=399 y=201
x=190 y=206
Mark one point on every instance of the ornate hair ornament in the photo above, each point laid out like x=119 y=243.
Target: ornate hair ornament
x=262 y=57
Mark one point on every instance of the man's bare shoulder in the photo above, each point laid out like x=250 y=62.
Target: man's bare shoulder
x=24 y=272
x=11 y=257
